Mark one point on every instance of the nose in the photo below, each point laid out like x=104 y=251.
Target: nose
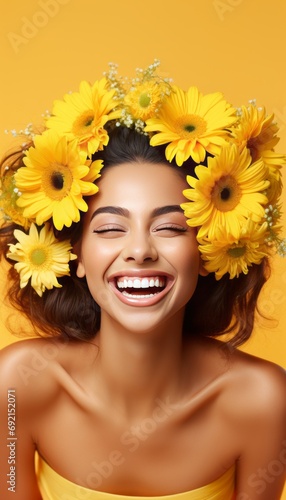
x=140 y=248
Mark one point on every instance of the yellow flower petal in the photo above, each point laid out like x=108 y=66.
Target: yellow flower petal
x=81 y=116
x=40 y=257
x=53 y=180
x=200 y=122
x=226 y=192
x=226 y=254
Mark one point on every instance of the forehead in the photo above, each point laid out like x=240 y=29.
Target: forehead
x=139 y=183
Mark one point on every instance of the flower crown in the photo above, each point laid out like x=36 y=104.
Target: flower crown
x=233 y=195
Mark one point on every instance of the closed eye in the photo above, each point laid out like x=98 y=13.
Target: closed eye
x=172 y=228
x=102 y=231
x=109 y=230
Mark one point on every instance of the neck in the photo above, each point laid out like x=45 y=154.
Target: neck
x=138 y=369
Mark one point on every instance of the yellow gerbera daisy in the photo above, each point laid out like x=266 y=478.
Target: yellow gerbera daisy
x=258 y=132
x=41 y=257
x=226 y=254
x=144 y=99
x=8 y=201
x=225 y=192
x=13 y=213
x=192 y=123
x=274 y=190
x=54 y=180
x=82 y=115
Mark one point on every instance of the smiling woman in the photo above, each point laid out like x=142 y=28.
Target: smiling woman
x=121 y=243
x=130 y=282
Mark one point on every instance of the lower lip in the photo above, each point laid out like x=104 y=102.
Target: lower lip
x=139 y=301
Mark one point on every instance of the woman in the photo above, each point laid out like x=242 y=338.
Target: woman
x=130 y=394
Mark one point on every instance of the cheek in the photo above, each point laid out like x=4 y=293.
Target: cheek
x=94 y=258
x=189 y=256
x=189 y=268
x=188 y=282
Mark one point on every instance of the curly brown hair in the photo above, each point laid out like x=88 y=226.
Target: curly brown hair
x=216 y=307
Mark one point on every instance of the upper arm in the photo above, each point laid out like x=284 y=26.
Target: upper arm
x=18 y=480
x=262 y=463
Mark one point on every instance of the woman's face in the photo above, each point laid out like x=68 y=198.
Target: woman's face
x=138 y=255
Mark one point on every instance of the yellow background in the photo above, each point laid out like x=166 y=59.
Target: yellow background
x=234 y=46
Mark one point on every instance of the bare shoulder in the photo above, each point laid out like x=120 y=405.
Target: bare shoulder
x=28 y=385
x=30 y=365
x=256 y=389
x=255 y=406
x=266 y=379
x=42 y=366
x=250 y=386
x=34 y=352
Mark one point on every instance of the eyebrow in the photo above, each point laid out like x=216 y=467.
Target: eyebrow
x=125 y=213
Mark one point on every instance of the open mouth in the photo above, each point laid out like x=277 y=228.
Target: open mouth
x=135 y=287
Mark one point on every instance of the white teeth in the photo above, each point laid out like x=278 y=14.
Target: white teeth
x=145 y=283
x=136 y=284
x=134 y=296
x=125 y=282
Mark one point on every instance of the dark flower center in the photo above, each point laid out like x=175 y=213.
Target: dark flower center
x=236 y=252
x=57 y=180
x=190 y=128
x=225 y=194
x=89 y=122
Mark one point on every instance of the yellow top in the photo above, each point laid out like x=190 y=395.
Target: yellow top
x=55 y=487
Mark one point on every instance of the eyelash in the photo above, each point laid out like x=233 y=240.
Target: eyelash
x=176 y=229
x=164 y=228
x=113 y=229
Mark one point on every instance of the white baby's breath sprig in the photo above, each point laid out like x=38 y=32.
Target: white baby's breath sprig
x=272 y=217
x=281 y=248
x=28 y=132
